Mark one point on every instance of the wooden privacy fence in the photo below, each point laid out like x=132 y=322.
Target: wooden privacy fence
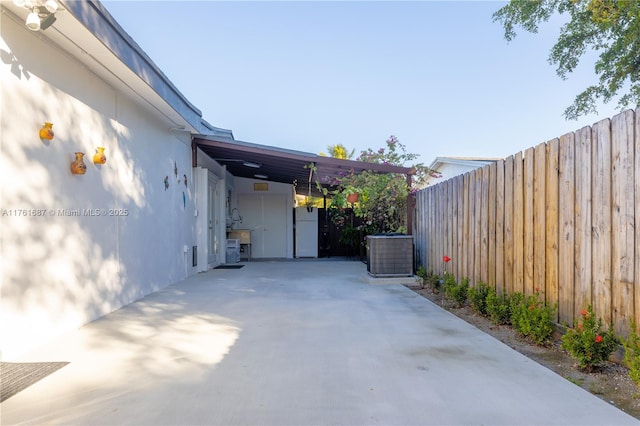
x=559 y=218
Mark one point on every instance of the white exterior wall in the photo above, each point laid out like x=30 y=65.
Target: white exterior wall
x=447 y=170
x=224 y=184
x=58 y=271
x=451 y=170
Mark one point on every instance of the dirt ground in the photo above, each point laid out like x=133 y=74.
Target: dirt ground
x=611 y=382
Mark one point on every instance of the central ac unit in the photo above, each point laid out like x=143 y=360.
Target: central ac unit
x=390 y=255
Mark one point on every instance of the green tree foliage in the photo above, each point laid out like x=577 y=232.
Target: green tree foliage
x=609 y=27
x=382 y=202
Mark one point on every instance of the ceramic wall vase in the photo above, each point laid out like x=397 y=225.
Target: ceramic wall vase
x=47 y=131
x=99 y=157
x=77 y=166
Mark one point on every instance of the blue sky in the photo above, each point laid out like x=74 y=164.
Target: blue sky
x=305 y=75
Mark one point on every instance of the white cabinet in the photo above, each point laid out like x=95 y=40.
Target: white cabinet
x=306 y=232
x=266 y=217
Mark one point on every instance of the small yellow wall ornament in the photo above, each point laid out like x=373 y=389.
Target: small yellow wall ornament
x=47 y=131
x=99 y=157
x=77 y=166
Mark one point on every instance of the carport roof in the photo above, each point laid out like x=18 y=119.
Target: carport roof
x=284 y=165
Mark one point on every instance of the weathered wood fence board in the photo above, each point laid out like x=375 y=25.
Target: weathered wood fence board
x=518 y=223
x=540 y=219
x=500 y=227
x=528 y=213
x=560 y=218
x=492 y=218
x=583 y=272
x=636 y=280
x=471 y=231
x=460 y=271
x=622 y=220
x=509 y=247
x=550 y=280
x=477 y=226
x=566 y=225
x=601 y=218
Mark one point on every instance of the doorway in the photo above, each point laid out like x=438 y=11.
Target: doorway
x=213 y=222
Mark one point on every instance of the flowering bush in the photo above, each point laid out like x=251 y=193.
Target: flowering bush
x=587 y=342
x=382 y=202
x=532 y=318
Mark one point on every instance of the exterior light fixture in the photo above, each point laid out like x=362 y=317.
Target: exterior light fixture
x=48 y=21
x=251 y=164
x=24 y=3
x=260 y=176
x=42 y=13
x=51 y=6
x=33 y=21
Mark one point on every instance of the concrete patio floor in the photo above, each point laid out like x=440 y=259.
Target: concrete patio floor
x=293 y=343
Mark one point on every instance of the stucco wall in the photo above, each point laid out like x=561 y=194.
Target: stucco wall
x=61 y=265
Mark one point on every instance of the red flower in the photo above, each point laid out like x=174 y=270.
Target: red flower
x=446 y=259
x=598 y=338
x=583 y=313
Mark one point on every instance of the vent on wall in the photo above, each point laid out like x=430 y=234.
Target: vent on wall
x=390 y=255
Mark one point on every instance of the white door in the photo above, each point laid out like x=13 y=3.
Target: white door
x=266 y=217
x=213 y=245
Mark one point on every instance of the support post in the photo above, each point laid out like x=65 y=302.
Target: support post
x=410 y=203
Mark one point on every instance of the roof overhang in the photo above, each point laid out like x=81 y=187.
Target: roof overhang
x=284 y=165
x=86 y=31
x=474 y=162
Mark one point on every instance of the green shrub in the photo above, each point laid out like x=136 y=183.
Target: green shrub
x=425 y=277
x=532 y=318
x=478 y=298
x=587 y=342
x=455 y=291
x=422 y=275
x=498 y=308
x=632 y=354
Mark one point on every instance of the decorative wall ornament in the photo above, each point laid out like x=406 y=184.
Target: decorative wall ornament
x=99 y=157
x=77 y=166
x=46 y=132
x=185 y=181
x=166 y=183
x=175 y=169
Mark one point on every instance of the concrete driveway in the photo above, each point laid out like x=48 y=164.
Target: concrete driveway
x=294 y=343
